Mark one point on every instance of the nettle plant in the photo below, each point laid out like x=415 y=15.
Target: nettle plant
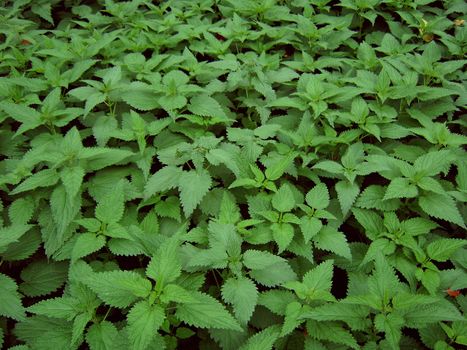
x=220 y=174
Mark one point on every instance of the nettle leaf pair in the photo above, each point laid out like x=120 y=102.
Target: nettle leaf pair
x=243 y=269
x=169 y=93
x=193 y=185
x=109 y=211
x=52 y=113
x=418 y=180
x=402 y=241
x=279 y=223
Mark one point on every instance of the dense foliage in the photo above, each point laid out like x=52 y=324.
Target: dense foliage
x=233 y=174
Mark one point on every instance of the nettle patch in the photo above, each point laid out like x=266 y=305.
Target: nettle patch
x=233 y=174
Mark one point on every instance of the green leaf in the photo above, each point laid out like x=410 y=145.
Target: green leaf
x=320 y=277
x=371 y=222
x=354 y=315
x=110 y=208
x=140 y=96
x=442 y=249
x=384 y=282
x=329 y=166
x=119 y=288
x=378 y=246
x=421 y=315
x=283 y=200
x=310 y=227
x=163 y=180
x=206 y=106
x=215 y=257
x=165 y=266
x=79 y=324
x=21 y=211
x=282 y=234
x=288 y=102
x=64 y=307
x=85 y=244
x=12 y=234
x=391 y=325
x=23 y=248
x=100 y=157
x=318 y=196
x=346 y=194
x=406 y=300
x=44 y=11
x=334 y=241
x=41 y=277
x=72 y=142
x=332 y=332
x=418 y=226
x=43 y=178
x=45 y=333
x=441 y=206
x=102 y=336
x=169 y=208
x=372 y=198
x=400 y=187
x=274 y=275
x=193 y=185
x=11 y=305
x=263 y=340
x=292 y=319
x=173 y=292
x=206 y=312
x=276 y=300
x=258 y=260
x=242 y=294
x=432 y=163
x=279 y=167
x=72 y=179
x=29 y=117
x=143 y=322
x=64 y=210
x=430 y=280
x=90 y=224
x=229 y=212
x=170 y=103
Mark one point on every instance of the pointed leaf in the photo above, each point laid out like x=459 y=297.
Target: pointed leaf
x=85 y=244
x=193 y=185
x=346 y=194
x=442 y=249
x=334 y=241
x=283 y=200
x=72 y=178
x=320 y=277
x=163 y=180
x=206 y=312
x=102 y=336
x=111 y=207
x=242 y=294
x=441 y=206
x=143 y=322
x=11 y=305
x=119 y=288
x=318 y=197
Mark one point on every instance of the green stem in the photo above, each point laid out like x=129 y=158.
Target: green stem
x=107 y=313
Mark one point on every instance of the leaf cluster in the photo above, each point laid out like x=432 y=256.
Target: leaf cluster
x=233 y=174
